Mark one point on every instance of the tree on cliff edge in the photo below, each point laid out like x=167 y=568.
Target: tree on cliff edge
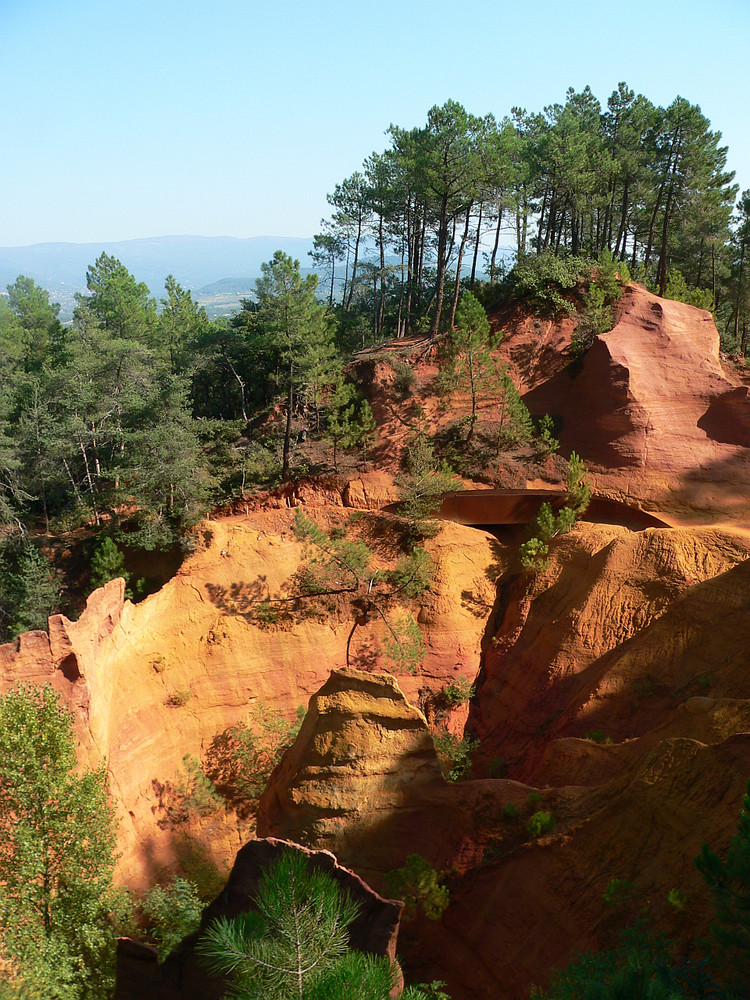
x=293 y=332
x=57 y=848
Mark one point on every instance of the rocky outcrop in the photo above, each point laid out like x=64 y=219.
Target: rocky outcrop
x=374 y=930
x=361 y=777
x=614 y=694
x=67 y=657
x=361 y=766
x=654 y=412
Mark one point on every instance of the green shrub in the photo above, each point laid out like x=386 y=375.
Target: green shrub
x=597 y=315
x=676 y=898
x=547 y=442
x=510 y=810
x=539 y=823
x=454 y=753
x=413 y=573
x=578 y=485
x=419 y=885
x=172 y=911
x=405 y=379
x=295 y=941
x=404 y=646
x=597 y=736
x=240 y=759
x=194 y=793
x=679 y=290
x=534 y=553
x=459 y=691
x=542 y=279
x=29 y=588
x=107 y=563
x=178 y=699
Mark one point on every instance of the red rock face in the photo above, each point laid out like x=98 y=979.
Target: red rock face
x=639 y=636
x=653 y=412
x=361 y=780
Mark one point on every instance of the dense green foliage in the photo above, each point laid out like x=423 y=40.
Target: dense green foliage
x=553 y=189
x=57 y=850
x=294 y=944
x=171 y=912
x=469 y=365
x=453 y=752
x=639 y=968
x=29 y=587
x=420 y=887
x=422 y=484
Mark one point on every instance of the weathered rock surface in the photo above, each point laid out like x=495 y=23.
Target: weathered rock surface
x=363 y=762
x=650 y=408
x=375 y=929
x=619 y=630
x=654 y=412
x=624 y=634
x=362 y=780
x=640 y=638
x=158 y=680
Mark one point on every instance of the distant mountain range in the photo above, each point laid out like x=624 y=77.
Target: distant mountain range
x=219 y=270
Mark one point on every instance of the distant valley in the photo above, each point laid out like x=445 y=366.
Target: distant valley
x=219 y=270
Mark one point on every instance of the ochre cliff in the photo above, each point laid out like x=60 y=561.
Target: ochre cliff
x=650 y=408
x=158 y=680
x=361 y=780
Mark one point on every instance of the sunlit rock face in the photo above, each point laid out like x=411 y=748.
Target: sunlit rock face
x=362 y=768
x=653 y=410
x=152 y=682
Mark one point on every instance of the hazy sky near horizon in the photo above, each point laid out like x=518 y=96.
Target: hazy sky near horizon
x=158 y=117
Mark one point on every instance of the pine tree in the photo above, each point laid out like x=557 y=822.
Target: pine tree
x=515 y=424
x=291 y=946
x=29 y=588
x=422 y=487
x=107 y=563
x=469 y=365
x=293 y=330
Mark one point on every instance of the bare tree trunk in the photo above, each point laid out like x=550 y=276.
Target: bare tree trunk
x=495 y=246
x=476 y=247
x=288 y=428
x=459 y=262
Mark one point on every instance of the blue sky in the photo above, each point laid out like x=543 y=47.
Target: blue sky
x=131 y=118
